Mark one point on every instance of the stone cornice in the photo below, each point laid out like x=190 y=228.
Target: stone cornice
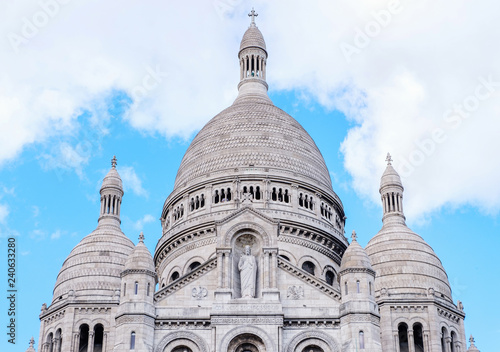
x=138 y=271
x=357 y=270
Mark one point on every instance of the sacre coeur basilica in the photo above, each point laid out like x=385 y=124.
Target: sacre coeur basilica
x=252 y=255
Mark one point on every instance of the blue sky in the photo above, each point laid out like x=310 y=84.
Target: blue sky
x=138 y=80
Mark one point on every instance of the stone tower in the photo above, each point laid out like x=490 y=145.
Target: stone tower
x=411 y=285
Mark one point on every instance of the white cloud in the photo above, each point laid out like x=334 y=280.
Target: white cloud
x=56 y=235
x=4 y=213
x=146 y=219
x=131 y=181
x=422 y=60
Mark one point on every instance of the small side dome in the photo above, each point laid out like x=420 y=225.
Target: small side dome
x=253 y=38
x=355 y=257
x=140 y=258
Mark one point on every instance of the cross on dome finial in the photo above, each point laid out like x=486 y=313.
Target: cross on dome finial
x=471 y=340
x=354 y=236
x=389 y=159
x=141 y=237
x=32 y=341
x=113 y=162
x=253 y=14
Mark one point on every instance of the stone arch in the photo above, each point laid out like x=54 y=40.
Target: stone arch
x=182 y=337
x=250 y=330
x=251 y=227
x=419 y=320
x=318 y=338
x=288 y=254
x=171 y=271
x=198 y=259
x=308 y=258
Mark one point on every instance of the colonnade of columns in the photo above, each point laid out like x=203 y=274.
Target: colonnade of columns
x=110 y=204
x=392 y=202
x=253 y=64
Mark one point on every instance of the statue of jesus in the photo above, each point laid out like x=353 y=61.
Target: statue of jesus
x=248 y=273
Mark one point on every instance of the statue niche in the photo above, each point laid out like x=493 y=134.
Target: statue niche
x=246 y=266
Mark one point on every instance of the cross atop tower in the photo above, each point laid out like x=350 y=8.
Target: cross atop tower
x=354 y=236
x=141 y=237
x=388 y=159
x=253 y=14
x=113 y=162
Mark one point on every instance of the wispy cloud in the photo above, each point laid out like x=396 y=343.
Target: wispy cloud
x=4 y=213
x=56 y=235
x=131 y=181
x=146 y=219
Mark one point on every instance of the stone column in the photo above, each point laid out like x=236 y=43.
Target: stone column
x=396 y=342
x=274 y=268
x=227 y=271
x=411 y=342
x=447 y=343
x=427 y=347
x=295 y=196
x=76 y=341
x=220 y=272
x=91 y=342
x=104 y=341
x=266 y=268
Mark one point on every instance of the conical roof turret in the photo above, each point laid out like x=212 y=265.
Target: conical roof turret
x=355 y=257
x=140 y=258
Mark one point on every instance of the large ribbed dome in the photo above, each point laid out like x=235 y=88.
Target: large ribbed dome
x=253 y=133
x=92 y=269
x=405 y=263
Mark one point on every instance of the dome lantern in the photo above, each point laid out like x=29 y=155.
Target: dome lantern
x=111 y=197
x=391 y=192
x=253 y=63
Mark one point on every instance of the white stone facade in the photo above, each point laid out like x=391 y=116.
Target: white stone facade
x=253 y=178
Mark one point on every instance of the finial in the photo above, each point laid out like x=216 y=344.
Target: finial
x=471 y=340
x=113 y=162
x=253 y=14
x=388 y=159
x=32 y=341
x=141 y=237
x=354 y=236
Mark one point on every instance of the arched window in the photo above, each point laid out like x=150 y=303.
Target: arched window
x=312 y=348
x=361 y=340
x=330 y=277
x=149 y=287
x=50 y=342
x=98 y=337
x=84 y=338
x=132 y=340
x=216 y=198
x=58 y=340
x=257 y=193
x=136 y=288
x=175 y=275
x=308 y=267
x=452 y=342
x=403 y=337
x=202 y=201
x=274 y=195
x=418 y=338
x=194 y=265
x=182 y=349
x=358 y=288
x=284 y=257
x=124 y=289
x=345 y=288
x=444 y=334
x=228 y=194
x=370 y=288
